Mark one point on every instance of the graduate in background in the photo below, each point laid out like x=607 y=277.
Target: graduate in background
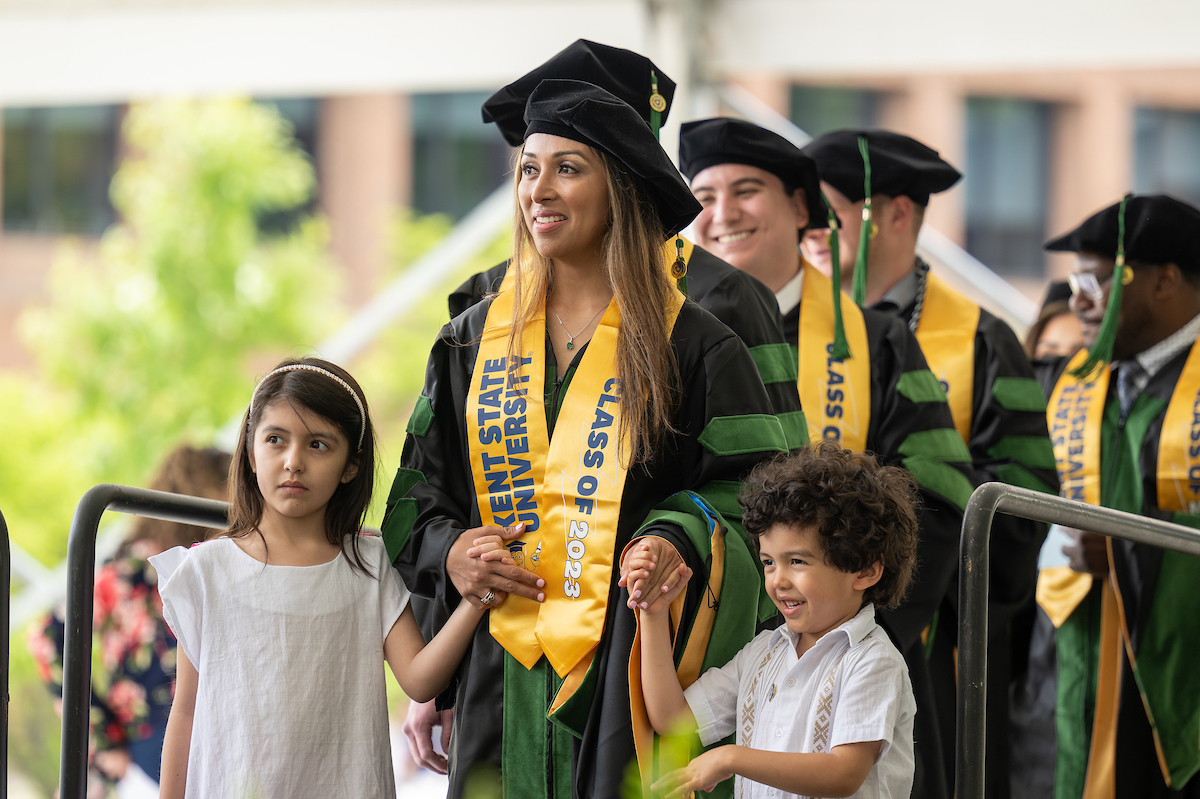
x=1127 y=616
x=886 y=179
x=570 y=410
x=759 y=192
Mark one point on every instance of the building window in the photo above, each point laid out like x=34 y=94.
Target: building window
x=58 y=163
x=1007 y=143
x=1167 y=153
x=457 y=159
x=301 y=114
x=820 y=109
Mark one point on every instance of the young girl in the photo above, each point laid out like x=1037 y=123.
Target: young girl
x=282 y=620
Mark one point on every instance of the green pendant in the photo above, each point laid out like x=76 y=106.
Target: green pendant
x=570 y=346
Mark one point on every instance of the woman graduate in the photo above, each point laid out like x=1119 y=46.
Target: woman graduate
x=645 y=395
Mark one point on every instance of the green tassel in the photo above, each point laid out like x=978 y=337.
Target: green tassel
x=1100 y=353
x=841 y=347
x=859 y=290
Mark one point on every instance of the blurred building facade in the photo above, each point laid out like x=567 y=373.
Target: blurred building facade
x=1052 y=108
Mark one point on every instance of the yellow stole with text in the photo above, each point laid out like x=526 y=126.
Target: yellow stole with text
x=1075 y=414
x=1179 y=443
x=946 y=333
x=835 y=394
x=567 y=490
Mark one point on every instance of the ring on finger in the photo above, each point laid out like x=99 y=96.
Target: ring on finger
x=488 y=598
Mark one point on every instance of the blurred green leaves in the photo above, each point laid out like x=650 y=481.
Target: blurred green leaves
x=157 y=336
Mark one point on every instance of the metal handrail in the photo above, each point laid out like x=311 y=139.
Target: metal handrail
x=988 y=500
x=81 y=580
x=6 y=577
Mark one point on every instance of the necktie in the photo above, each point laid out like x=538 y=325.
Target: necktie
x=1127 y=389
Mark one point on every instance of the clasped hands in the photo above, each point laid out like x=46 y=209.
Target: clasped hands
x=481 y=567
x=654 y=574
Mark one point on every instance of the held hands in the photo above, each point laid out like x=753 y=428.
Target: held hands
x=702 y=774
x=480 y=568
x=654 y=574
x=1089 y=553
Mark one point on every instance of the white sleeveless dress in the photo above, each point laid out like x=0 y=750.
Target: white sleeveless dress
x=291 y=700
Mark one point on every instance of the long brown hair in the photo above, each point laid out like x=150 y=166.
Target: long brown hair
x=632 y=250
x=320 y=394
x=189 y=471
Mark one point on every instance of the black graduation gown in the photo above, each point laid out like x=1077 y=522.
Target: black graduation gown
x=894 y=417
x=742 y=302
x=995 y=423
x=1137 y=568
x=719 y=380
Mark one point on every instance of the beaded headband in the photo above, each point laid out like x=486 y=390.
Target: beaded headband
x=362 y=411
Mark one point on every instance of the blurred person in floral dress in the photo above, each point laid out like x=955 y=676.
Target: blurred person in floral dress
x=133 y=668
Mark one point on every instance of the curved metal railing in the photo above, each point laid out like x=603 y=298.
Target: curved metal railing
x=81 y=582
x=988 y=500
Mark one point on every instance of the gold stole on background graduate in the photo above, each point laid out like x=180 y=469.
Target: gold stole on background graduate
x=946 y=333
x=567 y=489
x=1179 y=444
x=1075 y=416
x=834 y=394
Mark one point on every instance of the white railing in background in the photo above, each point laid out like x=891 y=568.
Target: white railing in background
x=958 y=267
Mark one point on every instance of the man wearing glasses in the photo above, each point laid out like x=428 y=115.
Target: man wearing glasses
x=1119 y=625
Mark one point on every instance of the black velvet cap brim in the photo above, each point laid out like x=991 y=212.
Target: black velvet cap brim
x=586 y=113
x=623 y=73
x=900 y=166
x=725 y=140
x=1159 y=229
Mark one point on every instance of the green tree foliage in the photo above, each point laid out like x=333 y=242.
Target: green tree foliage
x=159 y=336
x=152 y=341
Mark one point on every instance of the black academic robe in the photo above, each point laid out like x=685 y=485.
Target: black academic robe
x=1008 y=443
x=719 y=391
x=742 y=302
x=894 y=418
x=1165 y=644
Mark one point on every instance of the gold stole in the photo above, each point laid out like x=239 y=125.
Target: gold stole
x=567 y=490
x=946 y=333
x=1179 y=444
x=834 y=394
x=1075 y=415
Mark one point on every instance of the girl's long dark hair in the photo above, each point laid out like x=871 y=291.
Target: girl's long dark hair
x=320 y=394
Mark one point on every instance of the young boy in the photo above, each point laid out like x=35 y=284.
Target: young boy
x=822 y=705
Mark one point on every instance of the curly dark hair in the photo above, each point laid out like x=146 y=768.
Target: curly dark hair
x=863 y=511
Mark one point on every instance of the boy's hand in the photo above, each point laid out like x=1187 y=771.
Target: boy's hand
x=702 y=774
x=675 y=585
x=490 y=548
x=648 y=586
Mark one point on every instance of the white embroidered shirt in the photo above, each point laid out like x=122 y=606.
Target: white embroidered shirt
x=852 y=686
